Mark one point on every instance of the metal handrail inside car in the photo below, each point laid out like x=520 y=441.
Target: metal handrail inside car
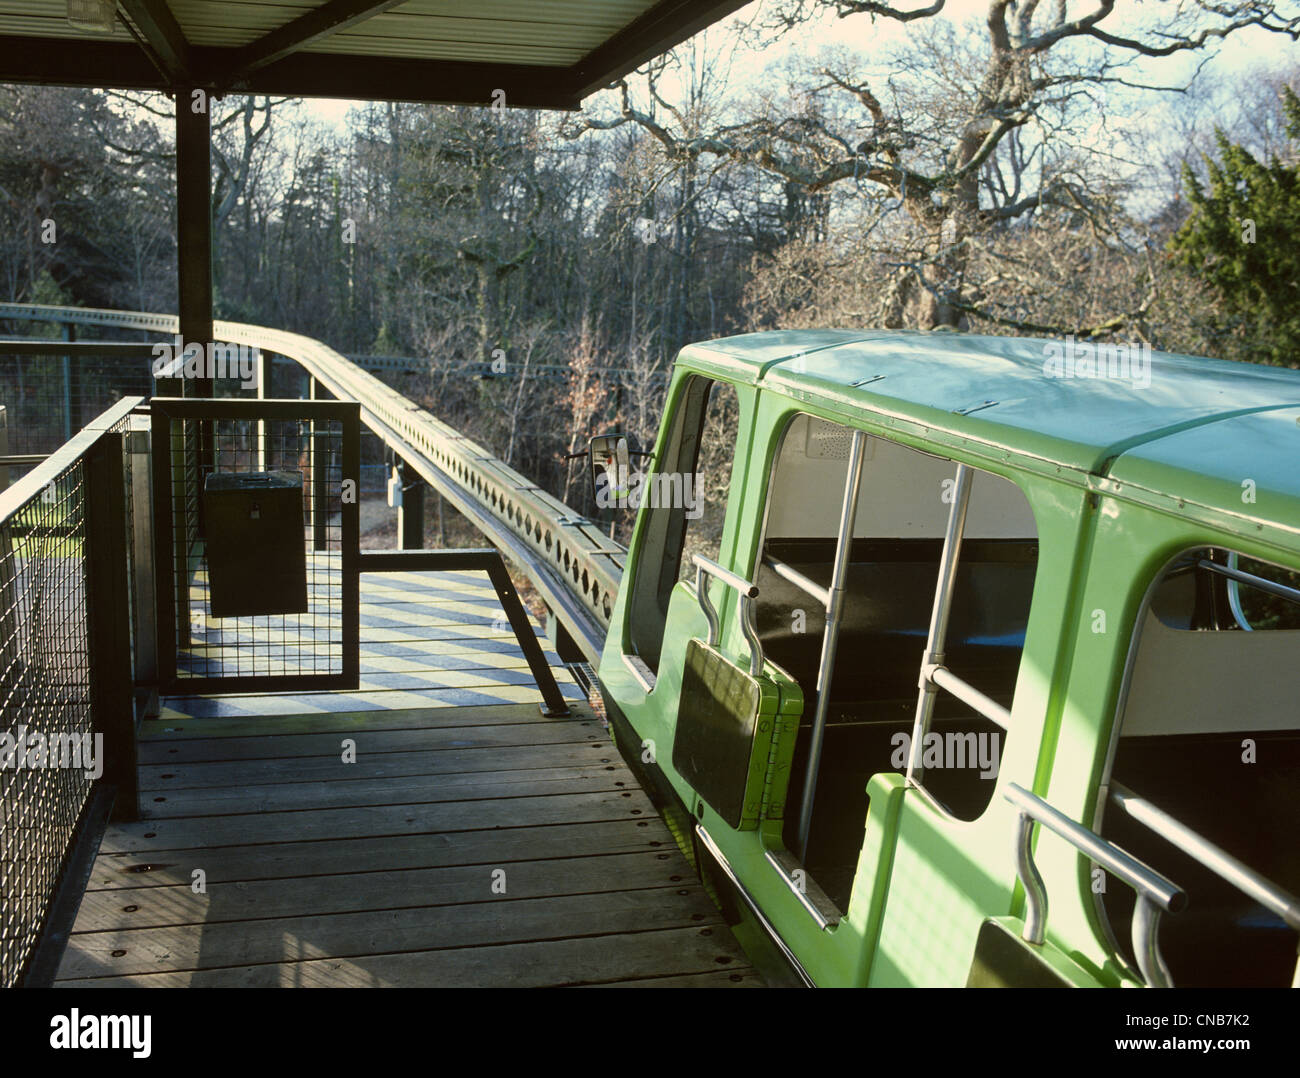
x=1262 y=583
x=798 y=579
x=1234 y=599
x=1249 y=882
x=1155 y=893
x=746 y=593
x=835 y=598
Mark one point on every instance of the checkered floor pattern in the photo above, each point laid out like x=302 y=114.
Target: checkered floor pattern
x=427 y=640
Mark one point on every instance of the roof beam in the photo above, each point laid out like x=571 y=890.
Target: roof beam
x=74 y=62
x=315 y=25
x=122 y=66
x=664 y=26
x=163 y=35
x=387 y=78
x=275 y=65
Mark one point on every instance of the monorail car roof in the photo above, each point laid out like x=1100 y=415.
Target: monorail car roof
x=1211 y=432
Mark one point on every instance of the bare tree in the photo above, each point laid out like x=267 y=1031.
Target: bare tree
x=946 y=146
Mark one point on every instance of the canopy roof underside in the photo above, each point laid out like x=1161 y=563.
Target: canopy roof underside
x=540 y=53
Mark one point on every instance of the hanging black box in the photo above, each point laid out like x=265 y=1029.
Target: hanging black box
x=256 y=547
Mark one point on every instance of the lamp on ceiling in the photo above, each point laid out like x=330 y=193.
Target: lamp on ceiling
x=96 y=16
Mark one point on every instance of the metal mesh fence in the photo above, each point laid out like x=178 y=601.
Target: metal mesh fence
x=304 y=452
x=376 y=465
x=50 y=398
x=47 y=750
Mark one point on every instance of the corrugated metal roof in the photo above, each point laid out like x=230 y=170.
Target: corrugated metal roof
x=552 y=32
x=47 y=18
x=561 y=32
x=582 y=44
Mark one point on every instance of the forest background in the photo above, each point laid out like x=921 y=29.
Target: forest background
x=1116 y=171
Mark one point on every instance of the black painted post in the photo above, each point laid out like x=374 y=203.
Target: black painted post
x=318 y=450
x=553 y=704
x=194 y=276
x=410 y=512
x=194 y=224
x=108 y=609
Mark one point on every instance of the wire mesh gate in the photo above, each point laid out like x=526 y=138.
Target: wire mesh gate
x=209 y=455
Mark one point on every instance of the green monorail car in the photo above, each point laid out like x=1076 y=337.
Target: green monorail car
x=960 y=660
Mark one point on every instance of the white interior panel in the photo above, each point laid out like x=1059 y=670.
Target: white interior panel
x=905 y=494
x=1188 y=682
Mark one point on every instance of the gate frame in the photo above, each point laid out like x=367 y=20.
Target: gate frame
x=162 y=411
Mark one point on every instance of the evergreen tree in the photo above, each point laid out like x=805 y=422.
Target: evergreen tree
x=1240 y=237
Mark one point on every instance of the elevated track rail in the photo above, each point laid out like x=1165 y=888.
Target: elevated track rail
x=574 y=566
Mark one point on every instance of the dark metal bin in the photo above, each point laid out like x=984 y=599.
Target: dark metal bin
x=256 y=546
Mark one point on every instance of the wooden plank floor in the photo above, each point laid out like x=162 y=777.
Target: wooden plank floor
x=465 y=846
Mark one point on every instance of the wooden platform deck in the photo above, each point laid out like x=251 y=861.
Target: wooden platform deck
x=466 y=846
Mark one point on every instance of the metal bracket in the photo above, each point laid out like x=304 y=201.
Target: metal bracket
x=486 y=560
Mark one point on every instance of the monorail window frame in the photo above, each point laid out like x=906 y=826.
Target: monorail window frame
x=1106 y=784
x=860 y=435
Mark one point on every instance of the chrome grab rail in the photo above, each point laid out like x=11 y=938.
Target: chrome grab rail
x=934 y=674
x=835 y=597
x=1155 y=893
x=1234 y=599
x=967 y=694
x=798 y=579
x=1249 y=882
x=939 y=614
x=746 y=593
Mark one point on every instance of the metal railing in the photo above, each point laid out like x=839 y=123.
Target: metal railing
x=477 y=368
x=1240 y=576
x=833 y=598
x=746 y=593
x=1155 y=894
x=934 y=674
x=573 y=565
x=66 y=711
x=1256 y=886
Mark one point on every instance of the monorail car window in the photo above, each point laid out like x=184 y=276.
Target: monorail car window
x=711 y=482
x=904 y=502
x=688 y=491
x=1208 y=732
